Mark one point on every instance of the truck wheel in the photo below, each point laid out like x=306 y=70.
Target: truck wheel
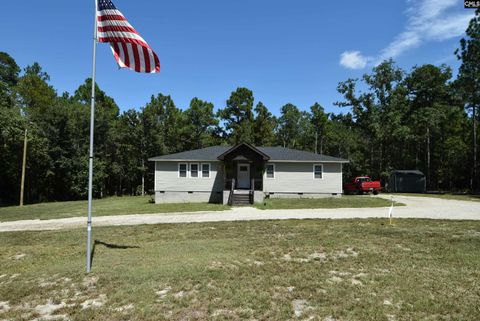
x=359 y=192
x=375 y=192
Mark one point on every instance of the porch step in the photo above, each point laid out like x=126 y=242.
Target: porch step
x=240 y=199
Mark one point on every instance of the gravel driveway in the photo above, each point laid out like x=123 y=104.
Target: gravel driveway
x=417 y=207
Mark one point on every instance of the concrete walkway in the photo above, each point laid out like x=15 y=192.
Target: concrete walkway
x=417 y=207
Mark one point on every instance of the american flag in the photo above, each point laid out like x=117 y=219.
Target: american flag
x=129 y=48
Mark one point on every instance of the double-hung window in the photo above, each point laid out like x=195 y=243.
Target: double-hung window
x=270 y=170
x=193 y=170
x=206 y=170
x=182 y=170
x=317 y=171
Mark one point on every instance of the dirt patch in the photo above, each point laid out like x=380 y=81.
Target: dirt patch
x=179 y=294
x=335 y=279
x=217 y=265
x=318 y=256
x=18 y=256
x=124 y=308
x=349 y=252
x=46 y=311
x=300 y=307
x=4 y=306
x=90 y=281
x=223 y=312
x=94 y=303
x=162 y=294
x=340 y=273
x=401 y=247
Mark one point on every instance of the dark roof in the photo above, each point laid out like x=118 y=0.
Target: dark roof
x=287 y=154
x=275 y=154
x=408 y=171
x=244 y=145
x=203 y=154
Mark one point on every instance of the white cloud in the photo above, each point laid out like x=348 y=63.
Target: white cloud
x=353 y=60
x=427 y=20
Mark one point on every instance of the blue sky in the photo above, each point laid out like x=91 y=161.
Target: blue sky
x=285 y=51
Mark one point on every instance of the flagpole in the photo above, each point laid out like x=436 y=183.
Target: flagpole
x=90 y=156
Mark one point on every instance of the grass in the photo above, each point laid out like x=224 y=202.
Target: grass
x=346 y=201
x=141 y=205
x=101 y=207
x=263 y=270
x=458 y=197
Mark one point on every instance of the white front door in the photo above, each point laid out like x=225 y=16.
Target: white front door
x=243 y=175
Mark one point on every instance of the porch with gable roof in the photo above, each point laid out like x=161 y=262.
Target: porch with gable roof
x=244 y=166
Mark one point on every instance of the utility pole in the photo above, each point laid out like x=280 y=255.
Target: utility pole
x=24 y=163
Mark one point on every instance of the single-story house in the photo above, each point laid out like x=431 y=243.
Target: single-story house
x=244 y=174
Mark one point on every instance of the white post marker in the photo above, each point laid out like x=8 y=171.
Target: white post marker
x=390 y=211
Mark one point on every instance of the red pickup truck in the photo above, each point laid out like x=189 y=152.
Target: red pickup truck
x=362 y=184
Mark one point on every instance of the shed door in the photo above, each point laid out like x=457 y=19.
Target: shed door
x=243 y=176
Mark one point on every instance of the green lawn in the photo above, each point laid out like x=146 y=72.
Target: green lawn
x=101 y=207
x=466 y=197
x=262 y=270
x=141 y=205
x=350 y=201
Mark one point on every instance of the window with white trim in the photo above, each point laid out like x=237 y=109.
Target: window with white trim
x=270 y=170
x=194 y=170
x=182 y=170
x=206 y=170
x=317 y=171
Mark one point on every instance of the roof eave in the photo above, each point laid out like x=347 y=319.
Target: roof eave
x=264 y=156
x=182 y=160
x=308 y=161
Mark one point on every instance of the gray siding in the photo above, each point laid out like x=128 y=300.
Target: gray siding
x=297 y=177
x=166 y=178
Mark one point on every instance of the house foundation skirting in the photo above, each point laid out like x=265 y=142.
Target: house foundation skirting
x=162 y=197
x=300 y=195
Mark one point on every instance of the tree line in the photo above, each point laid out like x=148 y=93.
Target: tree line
x=393 y=119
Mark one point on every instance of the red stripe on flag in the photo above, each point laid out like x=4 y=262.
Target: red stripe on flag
x=157 y=62
x=122 y=39
x=125 y=53
x=107 y=17
x=146 y=57
x=117 y=28
x=136 y=58
x=116 y=51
